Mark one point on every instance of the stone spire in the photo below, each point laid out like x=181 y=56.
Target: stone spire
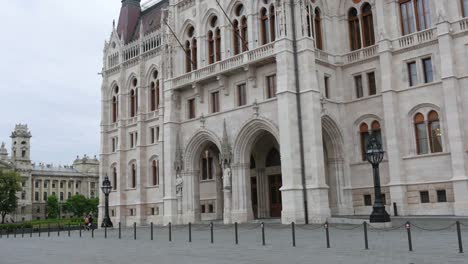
x=3 y=152
x=226 y=153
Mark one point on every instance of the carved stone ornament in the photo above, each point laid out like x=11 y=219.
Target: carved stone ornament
x=225 y=157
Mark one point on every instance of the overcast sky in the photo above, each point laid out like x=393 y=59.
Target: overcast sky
x=50 y=54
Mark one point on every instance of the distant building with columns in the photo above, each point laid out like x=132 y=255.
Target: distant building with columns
x=40 y=181
x=257 y=109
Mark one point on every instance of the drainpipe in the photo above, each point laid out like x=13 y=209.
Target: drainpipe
x=299 y=111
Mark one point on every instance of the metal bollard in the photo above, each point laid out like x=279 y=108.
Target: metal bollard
x=460 y=242
x=263 y=234
x=30 y=231
x=189 y=232
x=170 y=232
x=134 y=231
x=8 y=233
x=120 y=231
x=39 y=230
x=293 y=231
x=366 y=241
x=80 y=229
x=69 y=227
x=105 y=232
x=58 y=230
x=327 y=233
x=92 y=232
x=151 y=230
x=211 y=232
x=14 y=232
x=48 y=230
x=22 y=231
x=236 y=234
x=408 y=230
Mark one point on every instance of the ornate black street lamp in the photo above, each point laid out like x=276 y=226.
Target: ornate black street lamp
x=374 y=155
x=106 y=189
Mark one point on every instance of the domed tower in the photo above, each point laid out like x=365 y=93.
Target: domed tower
x=20 y=144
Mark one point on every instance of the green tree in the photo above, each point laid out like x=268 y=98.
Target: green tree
x=10 y=184
x=79 y=205
x=52 y=207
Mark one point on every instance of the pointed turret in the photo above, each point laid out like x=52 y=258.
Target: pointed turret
x=3 y=152
x=128 y=19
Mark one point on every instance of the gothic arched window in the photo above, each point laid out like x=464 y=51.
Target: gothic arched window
x=421 y=134
x=190 y=50
x=114 y=178
x=354 y=29
x=154 y=91
x=214 y=41
x=367 y=25
x=240 y=30
x=435 y=135
x=364 y=135
x=318 y=29
x=155 y=172
x=133 y=174
x=115 y=105
x=415 y=15
x=132 y=103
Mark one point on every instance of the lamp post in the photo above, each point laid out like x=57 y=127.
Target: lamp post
x=374 y=155
x=106 y=189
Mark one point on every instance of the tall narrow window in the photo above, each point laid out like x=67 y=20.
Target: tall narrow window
x=155 y=172
x=408 y=24
x=132 y=103
x=244 y=34
x=309 y=17
x=114 y=177
x=153 y=96
x=354 y=29
x=358 y=86
x=191 y=108
x=115 y=105
x=424 y=16
x=435 y=135
x=421 y=134
x=218 y=44
x=236 y=37
x=211 y=48
x=428 y=73
x=133 y=176
x=188 y=57
x=152 y=134
x=412 y=74
x=215 y=102
x=241 y=95
x=207 y=168
x=318 y=29
x=191 y=50
x=364 y=134
x=272 y=23
x=371 y=83
x=264 y=26
x=326 y=80
x=271 y=86
x=367 y=25
x=194 y=55
x=465 y=8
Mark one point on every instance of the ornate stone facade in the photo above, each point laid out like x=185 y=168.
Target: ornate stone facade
x=40 y=181
x=281 y=96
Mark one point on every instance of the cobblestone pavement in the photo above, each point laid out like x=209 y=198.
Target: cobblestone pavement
x=347 y=245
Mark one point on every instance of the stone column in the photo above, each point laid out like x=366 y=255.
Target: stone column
x=241 y=210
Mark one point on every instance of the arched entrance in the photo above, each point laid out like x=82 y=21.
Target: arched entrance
x=265 y=177
x=202 y=198
x=339 y=198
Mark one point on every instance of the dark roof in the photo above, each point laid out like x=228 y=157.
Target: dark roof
x=131 y=18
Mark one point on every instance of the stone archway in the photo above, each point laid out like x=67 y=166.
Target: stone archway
x=340 y=199
x=202 y=195
x=256 y=191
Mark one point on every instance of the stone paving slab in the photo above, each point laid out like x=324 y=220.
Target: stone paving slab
x=347 y=245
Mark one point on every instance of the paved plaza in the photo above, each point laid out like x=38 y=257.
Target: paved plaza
x=347 y=245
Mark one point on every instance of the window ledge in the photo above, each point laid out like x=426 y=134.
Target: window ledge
x=130 y=189
x=426 y=155
x=153 y=187
x=209 y=180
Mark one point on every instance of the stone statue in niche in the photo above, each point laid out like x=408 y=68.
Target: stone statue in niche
x=227 y=176
x=179 y=184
